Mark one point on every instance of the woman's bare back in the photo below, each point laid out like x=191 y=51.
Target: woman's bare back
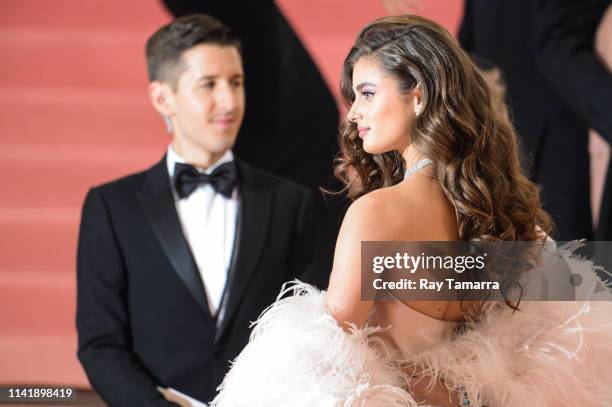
x=416 y=209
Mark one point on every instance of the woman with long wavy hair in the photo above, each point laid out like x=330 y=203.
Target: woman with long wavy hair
x=427 y=156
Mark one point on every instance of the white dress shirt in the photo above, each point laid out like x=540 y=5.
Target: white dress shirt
x=208 y=220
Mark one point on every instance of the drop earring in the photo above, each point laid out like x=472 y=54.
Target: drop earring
x=168 y=122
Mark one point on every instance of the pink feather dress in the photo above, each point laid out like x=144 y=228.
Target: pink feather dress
x=546 y=354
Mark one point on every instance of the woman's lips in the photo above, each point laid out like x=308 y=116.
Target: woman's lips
x=362 y=131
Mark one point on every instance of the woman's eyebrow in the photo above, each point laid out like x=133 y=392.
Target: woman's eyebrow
x=364 y=84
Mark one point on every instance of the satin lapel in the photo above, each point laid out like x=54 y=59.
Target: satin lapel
x=255 y=207
x=158 y=203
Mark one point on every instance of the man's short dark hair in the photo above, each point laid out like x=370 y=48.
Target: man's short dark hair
x=165 y=48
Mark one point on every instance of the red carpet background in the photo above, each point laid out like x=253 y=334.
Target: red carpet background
x=74 y=113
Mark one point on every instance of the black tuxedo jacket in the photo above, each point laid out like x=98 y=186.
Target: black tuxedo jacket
x=142 y=316
x=556 y=90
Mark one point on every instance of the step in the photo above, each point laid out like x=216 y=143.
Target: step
x=39 y=245
x=38 y=334
x=48 y=359
x=40 y=302
x=334 y=17
x=79 y=117
x=58 y=178
x=72 y=58
x=90 y=14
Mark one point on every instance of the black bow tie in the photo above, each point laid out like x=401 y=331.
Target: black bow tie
x=187 y=178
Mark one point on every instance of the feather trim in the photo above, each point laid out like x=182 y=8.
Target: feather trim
x=545 y=354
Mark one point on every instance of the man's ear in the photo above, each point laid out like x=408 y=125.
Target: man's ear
x=161 y=97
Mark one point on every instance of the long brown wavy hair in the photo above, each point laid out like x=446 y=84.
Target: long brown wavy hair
x=473 y=145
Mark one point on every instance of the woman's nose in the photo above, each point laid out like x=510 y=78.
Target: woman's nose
x=354 y=115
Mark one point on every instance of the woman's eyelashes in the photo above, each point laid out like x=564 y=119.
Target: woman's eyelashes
x=367 y=94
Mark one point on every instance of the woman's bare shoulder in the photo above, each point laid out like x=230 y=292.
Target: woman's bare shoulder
x=400 y=213
x=379 y=215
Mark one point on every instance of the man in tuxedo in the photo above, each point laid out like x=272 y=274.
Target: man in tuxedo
x=291 y=125
x=176 y=261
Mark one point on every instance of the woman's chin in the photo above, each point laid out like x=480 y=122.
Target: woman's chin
x=374 y=148
x=368 y=146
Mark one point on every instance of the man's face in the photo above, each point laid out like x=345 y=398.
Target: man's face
x=208 y=102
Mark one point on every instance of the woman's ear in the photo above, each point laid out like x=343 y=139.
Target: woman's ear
x=418 y=99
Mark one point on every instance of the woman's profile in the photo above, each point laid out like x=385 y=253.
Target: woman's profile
x=426 y=155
